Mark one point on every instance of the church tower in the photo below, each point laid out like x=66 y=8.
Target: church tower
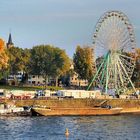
x=10 y=43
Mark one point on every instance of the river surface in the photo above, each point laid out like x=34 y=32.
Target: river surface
x=122 y=127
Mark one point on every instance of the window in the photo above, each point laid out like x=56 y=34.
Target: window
x=33 y=76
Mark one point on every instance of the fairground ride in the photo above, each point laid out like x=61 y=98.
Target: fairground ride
x=114 y=44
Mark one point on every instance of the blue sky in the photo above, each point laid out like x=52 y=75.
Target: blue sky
x=62 y=23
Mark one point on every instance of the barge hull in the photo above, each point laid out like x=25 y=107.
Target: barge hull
x=75 y=111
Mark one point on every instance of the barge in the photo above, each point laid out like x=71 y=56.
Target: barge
x=53 y=111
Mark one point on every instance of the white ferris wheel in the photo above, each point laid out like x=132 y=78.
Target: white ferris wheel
x=114 y=44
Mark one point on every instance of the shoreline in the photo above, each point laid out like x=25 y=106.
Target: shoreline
x=129 y=105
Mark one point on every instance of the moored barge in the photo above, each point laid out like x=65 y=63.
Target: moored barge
x=55 y=111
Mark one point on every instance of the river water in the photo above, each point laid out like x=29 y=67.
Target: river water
x=122 y=127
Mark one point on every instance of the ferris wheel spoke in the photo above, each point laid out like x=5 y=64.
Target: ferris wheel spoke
x=132 y=59
x=120 y=73
x=126 y=63
x=125 y=41
x=129 y=62
x=129 y=69
x=126 y=46
x=100 y=44
x=127 y=74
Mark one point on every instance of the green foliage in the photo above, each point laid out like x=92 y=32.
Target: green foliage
x=136 y=74
x=30 y=88
x=47 y=60
x=66 y=78
x=18 y=59
x=83 y=62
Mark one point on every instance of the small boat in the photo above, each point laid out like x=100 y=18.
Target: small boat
x=12 y=111
x=87 y=111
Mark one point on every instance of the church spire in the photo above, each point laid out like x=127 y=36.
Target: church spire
x=10 y=43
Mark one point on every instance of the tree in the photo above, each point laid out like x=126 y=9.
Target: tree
x=48 y=61
x=83 y=62
x=66 y=78
x=3 y=59
x=136 y=73
x=18 y=59
x=3 y=55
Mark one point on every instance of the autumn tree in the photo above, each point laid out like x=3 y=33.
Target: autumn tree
x=3 y=60
x=48 y=61
x=136 y=73
x=3 y=55
x=83 y=62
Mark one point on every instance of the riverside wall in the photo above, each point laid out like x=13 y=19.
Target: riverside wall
x=124 y=103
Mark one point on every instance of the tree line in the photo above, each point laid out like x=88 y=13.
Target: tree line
x=45 y=60
x=49 y=61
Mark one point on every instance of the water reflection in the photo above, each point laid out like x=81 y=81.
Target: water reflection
x=82 y=128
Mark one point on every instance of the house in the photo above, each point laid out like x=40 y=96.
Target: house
x=75 y=81
x=36 y=80
x=14 y=79
x=40 y=80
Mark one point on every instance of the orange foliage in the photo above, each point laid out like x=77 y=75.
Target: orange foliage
x=1 y=45
x=3 y=55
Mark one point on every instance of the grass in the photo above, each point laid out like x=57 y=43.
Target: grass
x=53 y=88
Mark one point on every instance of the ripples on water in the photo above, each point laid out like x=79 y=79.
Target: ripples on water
x=80 y=128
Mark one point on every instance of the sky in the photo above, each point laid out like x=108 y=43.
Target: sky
x=61 y=23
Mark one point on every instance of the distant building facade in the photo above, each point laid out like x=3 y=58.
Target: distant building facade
x=14 y=79
x=75 y=81
x=40 y=80
x=36 y=80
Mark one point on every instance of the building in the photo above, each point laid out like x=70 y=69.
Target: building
x=10 y=43
x=40 y=80
x=75 y=81
x=36 y=80
x=14 y=79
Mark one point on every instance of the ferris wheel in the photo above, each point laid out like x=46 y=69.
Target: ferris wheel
x=114 y=45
